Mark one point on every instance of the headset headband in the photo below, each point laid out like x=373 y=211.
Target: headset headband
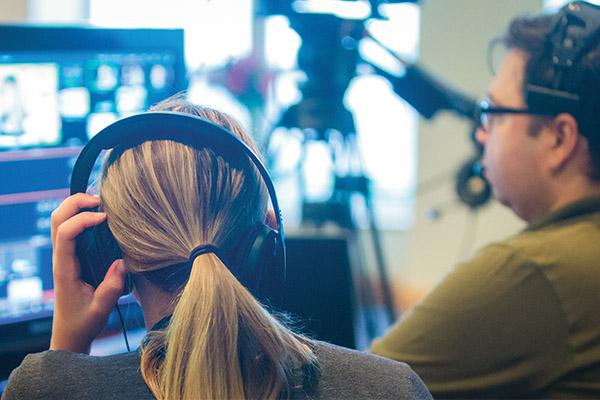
x=183 y=128
x=576 y=29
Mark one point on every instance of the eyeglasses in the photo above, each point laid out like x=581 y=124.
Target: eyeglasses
x=486 y=111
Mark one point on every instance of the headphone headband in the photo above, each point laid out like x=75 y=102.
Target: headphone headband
x=576 y=28
x=574 y=31
x=183 y=128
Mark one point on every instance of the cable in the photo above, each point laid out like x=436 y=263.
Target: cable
x=469 y=234
x=123 y=328
x=430 y=184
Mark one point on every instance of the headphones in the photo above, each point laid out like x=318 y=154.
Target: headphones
x=257 y=261
x=576 y=30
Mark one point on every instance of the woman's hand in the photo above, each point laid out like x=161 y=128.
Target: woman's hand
x=80 y=312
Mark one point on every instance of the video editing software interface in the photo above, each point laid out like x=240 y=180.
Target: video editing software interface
x=51 y=103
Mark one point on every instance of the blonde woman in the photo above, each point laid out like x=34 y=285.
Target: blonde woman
x=209 y=338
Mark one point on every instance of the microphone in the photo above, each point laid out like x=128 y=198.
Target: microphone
x=427 y=94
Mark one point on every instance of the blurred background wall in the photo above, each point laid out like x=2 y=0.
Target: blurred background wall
x=454 y=36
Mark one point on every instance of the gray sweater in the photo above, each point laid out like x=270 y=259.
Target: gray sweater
x=344 y=374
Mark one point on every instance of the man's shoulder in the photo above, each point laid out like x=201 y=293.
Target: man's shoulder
x=366 y=375
x=526 y=247
x=571 y=241
x=494 y=259
x=568 y=224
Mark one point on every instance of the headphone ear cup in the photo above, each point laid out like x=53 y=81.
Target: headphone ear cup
x=259 y=264
x=97 y=249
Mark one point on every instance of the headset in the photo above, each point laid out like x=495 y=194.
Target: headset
x=258 y=261
x=576 y=30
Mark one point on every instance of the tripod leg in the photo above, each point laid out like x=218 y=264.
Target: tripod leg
x=384 y=281
x=365 y=191
x=364 y=294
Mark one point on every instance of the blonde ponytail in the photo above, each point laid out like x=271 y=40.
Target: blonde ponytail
x=221 y=344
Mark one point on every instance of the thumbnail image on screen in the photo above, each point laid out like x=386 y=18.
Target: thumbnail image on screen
x=29 y=105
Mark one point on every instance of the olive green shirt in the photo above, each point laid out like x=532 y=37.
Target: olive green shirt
x=520 y=319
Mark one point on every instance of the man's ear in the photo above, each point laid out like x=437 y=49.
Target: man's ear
x=565 y=140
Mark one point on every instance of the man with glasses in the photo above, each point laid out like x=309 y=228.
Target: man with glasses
x=521 y=318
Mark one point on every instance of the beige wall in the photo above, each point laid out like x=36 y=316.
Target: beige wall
x=12 y=11
x=41 y=11
x=454 y=39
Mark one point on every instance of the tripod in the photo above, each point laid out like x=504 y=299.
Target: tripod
x=328 y=121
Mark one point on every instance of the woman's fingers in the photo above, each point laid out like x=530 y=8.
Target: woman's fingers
x=69 y=207
x=110 y=289
x=65 y=264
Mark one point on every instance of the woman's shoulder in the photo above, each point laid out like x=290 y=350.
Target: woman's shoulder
x=57 y=361
x=57 y=374
x=365 y=375
x=333 y=353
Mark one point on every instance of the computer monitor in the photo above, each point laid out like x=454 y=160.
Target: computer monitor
x=59 y=86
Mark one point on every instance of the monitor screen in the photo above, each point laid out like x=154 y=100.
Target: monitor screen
x=58 y=88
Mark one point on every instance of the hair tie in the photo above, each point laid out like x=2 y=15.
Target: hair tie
x=203 y=249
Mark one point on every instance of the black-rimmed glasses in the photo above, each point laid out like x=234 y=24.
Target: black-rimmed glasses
x=486 y=111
